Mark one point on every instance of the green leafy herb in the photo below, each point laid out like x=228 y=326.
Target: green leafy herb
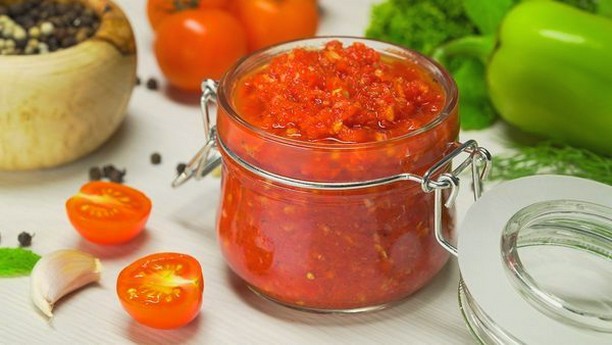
x=466 y=59
x=16 y=262
x=549 y=158
x=476 y=110
x=487 y=15
x=418 y=24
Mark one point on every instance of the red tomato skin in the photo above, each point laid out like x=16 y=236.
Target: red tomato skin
x=159 y=10
x=269 y=22
x=194 y=45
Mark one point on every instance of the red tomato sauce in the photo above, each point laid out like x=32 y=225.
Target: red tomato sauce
x=335 y=114
x=345 y=94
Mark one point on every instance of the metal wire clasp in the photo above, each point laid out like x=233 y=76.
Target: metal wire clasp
x=437 y=179
x=207 y=158
x=478 y=159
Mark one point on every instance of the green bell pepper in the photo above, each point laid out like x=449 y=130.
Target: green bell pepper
x=549 y=72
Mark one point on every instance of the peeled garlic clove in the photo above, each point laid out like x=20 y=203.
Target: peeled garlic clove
x=59 y=273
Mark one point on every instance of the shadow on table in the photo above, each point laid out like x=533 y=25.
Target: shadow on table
x=140 y=334
x=75 y=170
x=115 y=251
x=183 y=97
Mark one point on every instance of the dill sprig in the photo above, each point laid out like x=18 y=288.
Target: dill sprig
x=550 y=158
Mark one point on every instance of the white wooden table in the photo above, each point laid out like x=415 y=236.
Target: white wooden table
x=183 y=220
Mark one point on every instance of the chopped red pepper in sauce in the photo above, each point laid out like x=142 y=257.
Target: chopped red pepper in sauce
x=345 y=94
x=338 y=249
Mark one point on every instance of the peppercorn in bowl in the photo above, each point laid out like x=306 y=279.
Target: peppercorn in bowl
x=68 y=70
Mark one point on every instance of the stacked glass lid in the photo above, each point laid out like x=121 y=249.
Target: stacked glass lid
x=536 y=261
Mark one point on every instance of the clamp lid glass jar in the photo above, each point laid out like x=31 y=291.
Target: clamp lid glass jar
x=341 y=218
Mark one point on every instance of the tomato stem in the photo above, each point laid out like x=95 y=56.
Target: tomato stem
x=180 y=5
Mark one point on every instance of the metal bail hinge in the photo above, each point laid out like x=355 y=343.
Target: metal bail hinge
x=207 y=158
x=479 y=160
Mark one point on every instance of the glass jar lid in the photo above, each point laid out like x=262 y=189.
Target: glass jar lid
x=536 y=261
x=558 y=254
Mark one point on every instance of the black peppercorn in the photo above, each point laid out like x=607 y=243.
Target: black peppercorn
x=53 y=44
x=68 y=41
x=95 y=174
x=17 y=9
x=25 y=239
x=116 y=176
x=155 y=158
x=39 y=20
x=113 y=174
x=181 y=167
x=107 y=169
x=152 y=84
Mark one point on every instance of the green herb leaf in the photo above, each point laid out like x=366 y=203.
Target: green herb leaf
x=418 y=24
x=550 y=158
x=488 y=14
x=475 y=109
x=16 y=262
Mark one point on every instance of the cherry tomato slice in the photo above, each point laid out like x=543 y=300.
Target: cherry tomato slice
x=162 y=290
x=107 y=212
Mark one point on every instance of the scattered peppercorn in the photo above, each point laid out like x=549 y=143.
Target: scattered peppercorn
x=25 y=239
x=116 y=176
x=95 y=174
x=113 y=174
x=181 y=167
x=43 y=26
x=155 y=158
x=107 y=172
x=152 y=84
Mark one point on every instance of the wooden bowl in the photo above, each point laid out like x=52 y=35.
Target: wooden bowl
x=57 y=107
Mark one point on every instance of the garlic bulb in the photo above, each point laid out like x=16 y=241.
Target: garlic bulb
x=59 y=273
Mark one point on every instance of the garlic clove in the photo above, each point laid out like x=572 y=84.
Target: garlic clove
x=59 y=273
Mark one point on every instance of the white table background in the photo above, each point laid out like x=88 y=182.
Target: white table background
x=183 y=220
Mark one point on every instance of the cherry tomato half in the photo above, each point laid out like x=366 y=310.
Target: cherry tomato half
x=269 y=22
x=193 y=45
x=159 y=10
x=162 y=290
x=107 y=212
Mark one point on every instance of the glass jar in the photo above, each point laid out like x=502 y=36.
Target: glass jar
x=335 y=227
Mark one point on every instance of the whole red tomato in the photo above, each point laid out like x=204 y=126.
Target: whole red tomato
x=193 y=45
x=159 y=10
x=268 y=22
